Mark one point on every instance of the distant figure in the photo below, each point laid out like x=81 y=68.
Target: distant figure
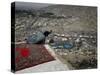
x=38 y=37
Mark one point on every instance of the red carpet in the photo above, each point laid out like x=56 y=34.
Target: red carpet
x=28 y=55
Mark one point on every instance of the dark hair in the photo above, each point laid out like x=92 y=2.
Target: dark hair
x=46 y=33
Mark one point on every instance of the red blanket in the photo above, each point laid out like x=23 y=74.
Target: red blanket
x=28 y=55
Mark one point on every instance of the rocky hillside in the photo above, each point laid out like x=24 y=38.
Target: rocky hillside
x=59 y=18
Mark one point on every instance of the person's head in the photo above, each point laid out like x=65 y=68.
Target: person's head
x=46 y=33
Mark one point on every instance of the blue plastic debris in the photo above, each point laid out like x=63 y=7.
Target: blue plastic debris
x=64 y=45
x=68 y=46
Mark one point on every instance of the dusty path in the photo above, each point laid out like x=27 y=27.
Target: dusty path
x=59 y=58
